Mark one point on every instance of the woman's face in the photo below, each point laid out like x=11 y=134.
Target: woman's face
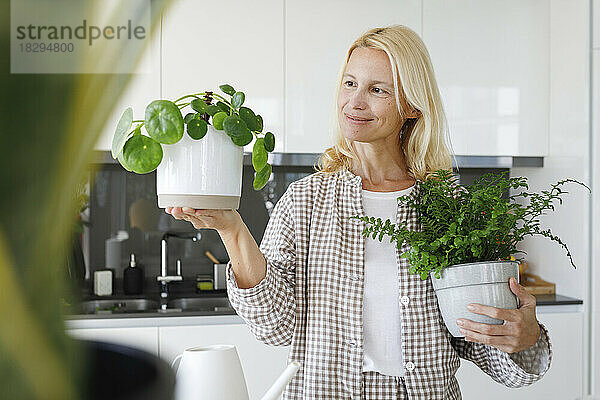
x=367 y=92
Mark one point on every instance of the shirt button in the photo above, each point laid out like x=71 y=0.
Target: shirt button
x=409 y=366
x=404 y=300
x=355 y=277
x=351 y=343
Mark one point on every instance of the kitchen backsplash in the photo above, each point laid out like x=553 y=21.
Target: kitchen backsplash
x=124 y=204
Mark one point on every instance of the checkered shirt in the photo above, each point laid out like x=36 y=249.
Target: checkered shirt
x=311 y=299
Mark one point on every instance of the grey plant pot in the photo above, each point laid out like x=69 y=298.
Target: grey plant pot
x=484 y=282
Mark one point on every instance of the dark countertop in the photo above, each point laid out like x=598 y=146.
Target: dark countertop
x=555 y=300
x=153 y=314
x=541 y=300
x=156 y=296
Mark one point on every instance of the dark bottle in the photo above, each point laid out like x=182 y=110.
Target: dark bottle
x=133 y=278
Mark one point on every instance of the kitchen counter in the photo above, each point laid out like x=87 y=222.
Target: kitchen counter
x=143 y=320
x=555 y=299
x=106 y=319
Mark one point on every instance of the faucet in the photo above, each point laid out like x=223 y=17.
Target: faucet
x=164 y=278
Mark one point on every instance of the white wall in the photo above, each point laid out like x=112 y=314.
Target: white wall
x=569 y=157
x=568 y=154
x=595 y=216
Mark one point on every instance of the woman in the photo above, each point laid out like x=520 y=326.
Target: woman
x=358 y=322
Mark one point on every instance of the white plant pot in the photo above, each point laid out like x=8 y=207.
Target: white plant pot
x=484 y=282
x=204 y=173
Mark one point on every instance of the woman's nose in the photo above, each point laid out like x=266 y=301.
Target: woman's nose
x=357 y=99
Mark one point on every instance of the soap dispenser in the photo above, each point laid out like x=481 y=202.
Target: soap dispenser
x=133 y=278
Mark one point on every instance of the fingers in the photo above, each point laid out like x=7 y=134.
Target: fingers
x=494 y=312
x=200 y=212
x=200 y=218
x=503 y=343
x=194 y=221
x=178 y=213
x=189 y=211
x=482 y=328
x=187 y=214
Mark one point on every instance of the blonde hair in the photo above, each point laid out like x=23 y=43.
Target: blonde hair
x=425 y=140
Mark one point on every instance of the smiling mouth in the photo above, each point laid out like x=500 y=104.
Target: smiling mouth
x=358 y=119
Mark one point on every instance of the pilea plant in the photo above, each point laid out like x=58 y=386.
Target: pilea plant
x=164 y=122
x=464 y=224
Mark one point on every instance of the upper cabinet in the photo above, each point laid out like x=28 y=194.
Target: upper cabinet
x=492 y=64
x=141 y=89
x=317 y=36
x=206 y=44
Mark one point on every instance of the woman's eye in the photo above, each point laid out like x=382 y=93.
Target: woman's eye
x=378 y=90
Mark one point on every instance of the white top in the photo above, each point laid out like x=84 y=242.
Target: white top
x=382 y=323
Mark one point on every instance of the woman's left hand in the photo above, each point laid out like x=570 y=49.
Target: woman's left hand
x=520 y=330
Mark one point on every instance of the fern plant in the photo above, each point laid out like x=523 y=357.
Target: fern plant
x=464 y=224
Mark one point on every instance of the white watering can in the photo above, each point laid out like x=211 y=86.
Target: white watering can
x=215 y=373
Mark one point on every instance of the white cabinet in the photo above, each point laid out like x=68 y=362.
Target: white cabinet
x=595 y=236
x=317 y=36
x=142 y=88
x=206 y=44
x=596 y=23
x=262 y=364
x=492 y=64
x=495 y=63
x=169 y=337
x=564 y=379
x=144 y=338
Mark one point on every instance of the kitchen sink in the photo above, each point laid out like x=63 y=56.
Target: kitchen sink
x=200 y=304
x=117 y=306
x=143 y=305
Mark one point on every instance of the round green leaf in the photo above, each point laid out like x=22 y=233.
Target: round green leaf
x=259 y=121
x=218 y=119
x=120 y=136
x=142 y=154
x=212 y=110
x=269 y=142
x=227 y=89
x=244 y=139
x=188 y=117
x=249 y=118
x=164 y=122
x=238 y=99
x=259 y=155
x=262 y=177
x=223 y=107
x=236 y=129
x=197 y=128
x=122 y=161
x=199 y=105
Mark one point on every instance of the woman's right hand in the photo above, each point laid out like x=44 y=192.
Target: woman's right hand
x=248 y=263
x=224 y=221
